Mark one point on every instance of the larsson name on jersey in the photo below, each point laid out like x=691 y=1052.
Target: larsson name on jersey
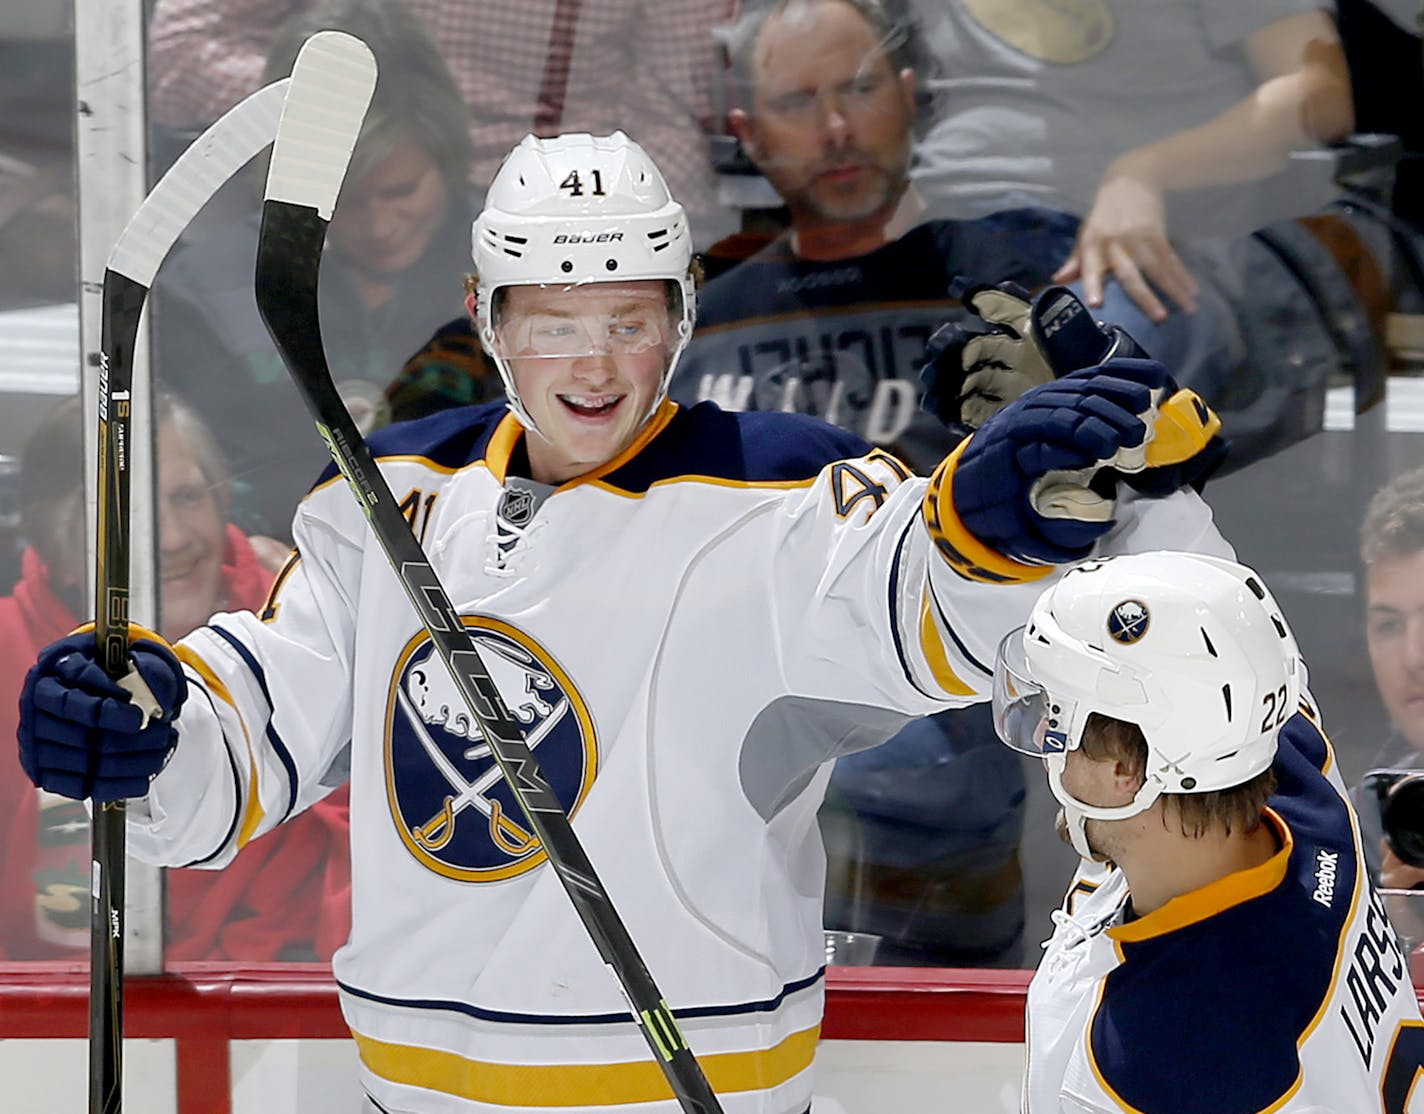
x=1375 y=971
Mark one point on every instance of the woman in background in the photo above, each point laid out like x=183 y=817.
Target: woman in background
x=260 y=908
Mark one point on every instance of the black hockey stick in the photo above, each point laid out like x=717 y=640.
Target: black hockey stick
x=308 y=163
x=213 y=158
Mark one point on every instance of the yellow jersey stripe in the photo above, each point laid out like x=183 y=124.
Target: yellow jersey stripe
x=557 y=1085
x=1217 y=896
x=933 y=646
x=254 y=812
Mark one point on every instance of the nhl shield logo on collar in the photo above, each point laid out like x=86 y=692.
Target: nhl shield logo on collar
x=1127 y=622
x=516 y=506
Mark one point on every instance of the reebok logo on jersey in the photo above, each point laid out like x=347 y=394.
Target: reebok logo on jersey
x=1325 y=867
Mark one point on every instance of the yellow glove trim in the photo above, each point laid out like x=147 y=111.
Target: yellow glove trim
x=135 y=633
x=961 y=550
x=1184 y=426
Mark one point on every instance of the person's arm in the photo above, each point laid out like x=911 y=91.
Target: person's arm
x=206 y=55
x=914 y=582
x=1303 y=99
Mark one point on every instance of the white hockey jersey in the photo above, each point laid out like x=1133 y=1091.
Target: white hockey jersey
x=1282 y=988
x=690 y=635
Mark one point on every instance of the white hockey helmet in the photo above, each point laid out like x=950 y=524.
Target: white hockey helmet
x=1192 y=649
x=580 y=209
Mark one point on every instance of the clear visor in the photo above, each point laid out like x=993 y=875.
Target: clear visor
x=1024 y=715
x=590 y=319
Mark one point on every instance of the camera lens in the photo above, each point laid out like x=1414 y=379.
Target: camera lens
x=1402 y=814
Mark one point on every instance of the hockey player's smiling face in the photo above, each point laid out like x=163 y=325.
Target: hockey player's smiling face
x=587 y=361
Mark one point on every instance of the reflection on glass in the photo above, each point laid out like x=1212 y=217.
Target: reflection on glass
x=270 y=903
x=1027 y=127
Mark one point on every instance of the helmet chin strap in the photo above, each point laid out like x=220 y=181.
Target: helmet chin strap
x=1076 y=813
x=1075 y=825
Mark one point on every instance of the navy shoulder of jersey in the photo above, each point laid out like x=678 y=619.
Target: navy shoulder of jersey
x=743 y=446
x=448 y=438
x=1208 y=1015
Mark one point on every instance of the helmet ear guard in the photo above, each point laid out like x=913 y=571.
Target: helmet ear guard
x=579 y=209
x=1192 y=649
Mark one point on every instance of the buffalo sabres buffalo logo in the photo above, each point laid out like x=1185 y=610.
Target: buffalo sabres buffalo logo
x=449 y=798
x=1127 y=622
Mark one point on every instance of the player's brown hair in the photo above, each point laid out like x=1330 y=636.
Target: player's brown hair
x=1237 y=809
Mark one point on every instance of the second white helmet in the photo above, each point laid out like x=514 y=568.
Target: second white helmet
x=580 y=209
x=1192 y=649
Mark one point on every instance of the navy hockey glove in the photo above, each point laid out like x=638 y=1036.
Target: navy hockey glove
x=970 y=373
x=84 y=735
x=971 y=370
x=1030 y=485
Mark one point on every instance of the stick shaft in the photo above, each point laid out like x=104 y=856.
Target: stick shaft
x=123 y=305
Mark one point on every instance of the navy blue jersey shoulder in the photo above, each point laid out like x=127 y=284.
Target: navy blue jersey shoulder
x=1228 y=997
x=748 y=446
x=449 y=438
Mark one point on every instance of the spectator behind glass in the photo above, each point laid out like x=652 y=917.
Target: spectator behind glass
x=1133 y=119
x=921 y=834
x=399 y=242
x=1392 y=551
x=832 y=318
x=272 y=906
x=644 y=67
x=831 y=315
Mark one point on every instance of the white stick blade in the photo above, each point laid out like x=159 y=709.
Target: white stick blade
x=209 y=161
x=332 y=83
